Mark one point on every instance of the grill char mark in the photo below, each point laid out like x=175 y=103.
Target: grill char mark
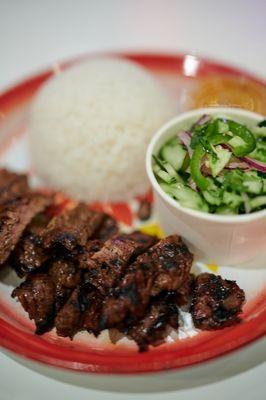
x=164 y=267
x=107 y=266
x=72 y=229
x=15 y=215
x=36 y=296
x=29 y=254
x=92 y=278
x=216 y=302
x=81 y=311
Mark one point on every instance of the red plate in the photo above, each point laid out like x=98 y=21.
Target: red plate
x=185 y=77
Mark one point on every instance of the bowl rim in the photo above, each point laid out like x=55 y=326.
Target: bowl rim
x=232 y=219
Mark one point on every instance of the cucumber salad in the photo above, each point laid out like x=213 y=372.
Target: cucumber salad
x=216 y=166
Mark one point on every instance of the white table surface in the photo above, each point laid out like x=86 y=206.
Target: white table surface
x=34 y=34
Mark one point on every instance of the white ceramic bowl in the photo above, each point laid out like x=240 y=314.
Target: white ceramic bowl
x=218 y=239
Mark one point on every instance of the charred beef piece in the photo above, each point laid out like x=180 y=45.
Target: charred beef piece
x=65 y=277
x=107 y=229
x=216 y=302
x=81 y=311
x=160 y=318
x=36 y=296
x=15 y=215
x=29 y=254
x=72 y=228
x=67 y=320
x=92 y=247
x=105 y=267
x=12 y=184
x=93 y=302
x=182 y=297
x=152 y=328
x=164 y=267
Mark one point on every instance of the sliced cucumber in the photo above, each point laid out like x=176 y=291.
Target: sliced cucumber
x=257 y=202
x=213 y=194
x=162 y=174
x=218 y=160
x=165 y=171
x=222 y=127
x=174 y=155
x=237 y=141
x=253 y=183
x=211 y=198
x=166 y=188
x=226 y=210
x=168 y=167
x=165 y=176
x=155 y=167
x=175 y=140
x=157 y=161
x=186 y=196
x=232 y=199
x=253 y=186
x=259 y=131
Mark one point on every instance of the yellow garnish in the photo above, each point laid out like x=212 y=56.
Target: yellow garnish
x=152 y=229
x=212 y=267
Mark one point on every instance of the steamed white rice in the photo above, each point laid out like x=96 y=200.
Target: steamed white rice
x=90 y=126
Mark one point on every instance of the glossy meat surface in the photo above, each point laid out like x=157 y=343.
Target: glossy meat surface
x=15 y=215
x=37 y=296
x=81 y=311
x=164 y=267
x=72 y=228
x=107 y=229
x=107 y=266
x=29 y=254
x=65 y=276
x=216 y=302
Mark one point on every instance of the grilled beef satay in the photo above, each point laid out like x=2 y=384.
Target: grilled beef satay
x=81 y=311
x=161 y=316
x=43 y=294
x=181 y=297
x=153 y=328
x=216 y=302
x=164 y=267
x=15 y=214
x=12 y=184
x=107 y=229
x=107 y=266
x=29 y=254
x=37 y=296
x=71 y=229
x=66 y=276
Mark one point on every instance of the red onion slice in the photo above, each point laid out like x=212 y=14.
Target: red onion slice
x=258 y=165
x=185 y=138
x=239 y=164
x=255 y=164
x=202 y=120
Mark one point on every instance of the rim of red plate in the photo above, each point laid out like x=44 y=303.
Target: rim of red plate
x=169 y=356
x=22 y=89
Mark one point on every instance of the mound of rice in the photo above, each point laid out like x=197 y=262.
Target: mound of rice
x=90 y=126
